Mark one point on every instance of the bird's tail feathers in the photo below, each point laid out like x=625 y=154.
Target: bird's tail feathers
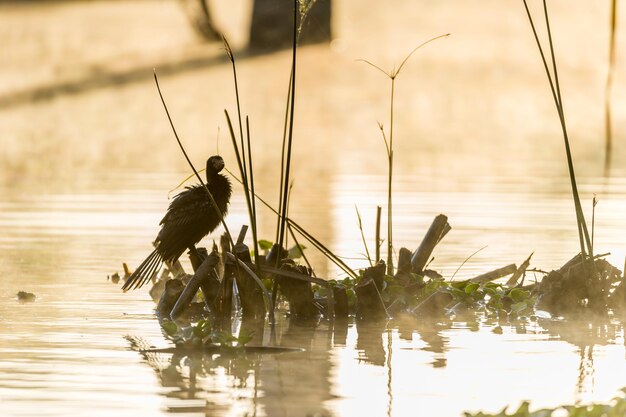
x=144 y=272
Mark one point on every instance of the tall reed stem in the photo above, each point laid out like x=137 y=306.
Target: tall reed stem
x=608 y=145
x=583 y=233
x=283 y=208
x=392 y=75
x=389 y=183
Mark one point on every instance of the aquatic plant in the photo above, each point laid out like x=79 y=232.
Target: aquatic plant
x=553 y=79
x=201 y=333
x=616 y=408
x=392 y=75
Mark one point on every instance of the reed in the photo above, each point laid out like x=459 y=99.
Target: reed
x=243 y=154
x=285 y=175
x=553 y=79
x=608 y=144
x=392 y=75
x=335 y=259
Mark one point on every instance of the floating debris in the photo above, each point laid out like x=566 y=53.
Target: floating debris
x=26 y=297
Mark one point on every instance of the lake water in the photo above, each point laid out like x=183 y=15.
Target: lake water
x=87 y=160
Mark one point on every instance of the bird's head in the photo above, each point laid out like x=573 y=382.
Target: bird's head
x=214 y=165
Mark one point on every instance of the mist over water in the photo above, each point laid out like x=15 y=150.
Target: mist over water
x=87 y=159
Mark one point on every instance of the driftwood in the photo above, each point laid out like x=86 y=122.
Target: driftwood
x=438 y=229
x=495 y=274
x=519 y=272
x=202 y=274
x=298 y=293
x=403 y=272
x=210 y=285
x=578 y=284
x=250 y=294
x=369 y=302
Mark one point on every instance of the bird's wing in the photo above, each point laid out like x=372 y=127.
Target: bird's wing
x=186 y=207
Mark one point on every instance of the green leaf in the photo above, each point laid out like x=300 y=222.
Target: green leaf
x=244 y=337
x=471 y=287
x=518 y=294
x=497 y=330
x=265 y=244
x=296 y=251
x=169 y=327
x=395 y=290
x=517 y=307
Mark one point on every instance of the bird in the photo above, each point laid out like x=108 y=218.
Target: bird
x=190 y=216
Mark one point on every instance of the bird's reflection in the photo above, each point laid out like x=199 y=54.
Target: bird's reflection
x=285 y=384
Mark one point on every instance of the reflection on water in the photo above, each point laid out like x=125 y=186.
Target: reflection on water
x=84 y=180
x=385 y=369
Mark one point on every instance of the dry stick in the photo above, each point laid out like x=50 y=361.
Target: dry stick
x=242 y=234
x=367 y=252
x=430 y=240
x=378 y=214
x=608 y=148
x=594 y=202
x=557 y=102
x=495 y=274
x=215 y=207
x=520 y=271
x=194 y=284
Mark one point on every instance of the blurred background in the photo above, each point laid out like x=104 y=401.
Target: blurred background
x=476 y=133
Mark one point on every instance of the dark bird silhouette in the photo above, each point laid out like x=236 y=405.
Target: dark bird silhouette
x=190 y=217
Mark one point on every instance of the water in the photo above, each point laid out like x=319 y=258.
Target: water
x=85 y=178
